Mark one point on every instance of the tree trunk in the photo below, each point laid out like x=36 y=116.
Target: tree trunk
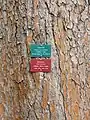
x=62 y=94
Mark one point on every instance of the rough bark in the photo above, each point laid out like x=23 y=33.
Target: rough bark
x=63 y=94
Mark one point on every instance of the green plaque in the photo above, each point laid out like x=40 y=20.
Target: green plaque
x=40 y=50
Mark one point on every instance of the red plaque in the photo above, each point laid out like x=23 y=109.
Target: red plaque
x=40 y=65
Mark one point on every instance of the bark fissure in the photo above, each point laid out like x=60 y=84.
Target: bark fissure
x=62 y=94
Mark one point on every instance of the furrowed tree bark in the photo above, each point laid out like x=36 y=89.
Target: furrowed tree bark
x=62 y=94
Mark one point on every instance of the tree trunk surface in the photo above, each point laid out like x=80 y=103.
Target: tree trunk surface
x=62 y=94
